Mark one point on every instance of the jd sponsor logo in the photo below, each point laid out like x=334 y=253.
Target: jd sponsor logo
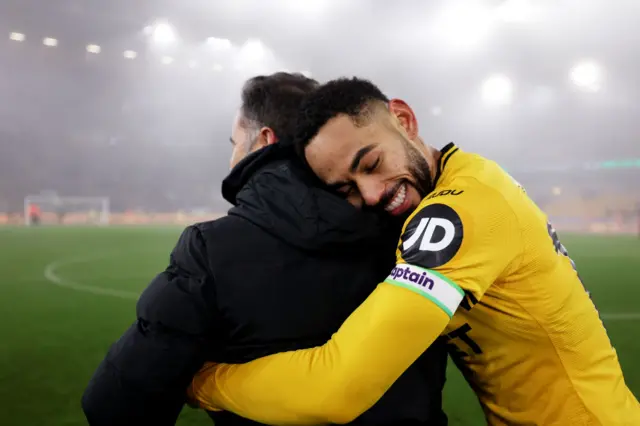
x=427 y=227
x=405 y=273
x=432 y=237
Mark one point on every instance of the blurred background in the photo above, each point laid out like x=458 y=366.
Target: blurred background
x=134 y=100
x=119 y=112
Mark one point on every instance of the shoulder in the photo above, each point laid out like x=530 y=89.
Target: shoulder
x=217 y=237
x=219 y=228
x=462 y=213
x=198 y=242
x=481 y=189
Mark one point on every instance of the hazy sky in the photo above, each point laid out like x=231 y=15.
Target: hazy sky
x=493 y=76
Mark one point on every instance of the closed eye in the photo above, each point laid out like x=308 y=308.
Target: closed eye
x=371 y=167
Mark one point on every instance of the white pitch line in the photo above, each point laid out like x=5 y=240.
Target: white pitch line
x=51 y=276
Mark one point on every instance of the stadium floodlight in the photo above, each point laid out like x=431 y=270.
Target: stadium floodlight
x=93 y=48
x=166 y=60
x=217 y=67
x=55 y=210
x=16 y=36
x=254 y=57
x=50 y=42
x=497 y=90
x=464 y=24
x=163 y=33
x=253 y=50
x=587 y=75
x=129 y=54
x=219 y=43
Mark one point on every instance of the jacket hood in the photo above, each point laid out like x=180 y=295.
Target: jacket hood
x=275 y=191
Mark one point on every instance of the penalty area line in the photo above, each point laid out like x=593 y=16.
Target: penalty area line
x=50 y=274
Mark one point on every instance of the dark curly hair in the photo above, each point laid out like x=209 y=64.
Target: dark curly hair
x=354 y=97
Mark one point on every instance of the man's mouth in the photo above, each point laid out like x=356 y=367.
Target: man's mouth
x=400 y=201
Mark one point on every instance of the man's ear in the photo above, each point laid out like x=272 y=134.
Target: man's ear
x=405 y=117
x=266 y=137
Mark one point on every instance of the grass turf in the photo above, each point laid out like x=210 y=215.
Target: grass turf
x=53 y=337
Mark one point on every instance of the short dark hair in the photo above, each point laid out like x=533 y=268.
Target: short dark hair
x=354 y=97
x=274 y=101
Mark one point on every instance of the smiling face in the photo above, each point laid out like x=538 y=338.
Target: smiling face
x=379 y=162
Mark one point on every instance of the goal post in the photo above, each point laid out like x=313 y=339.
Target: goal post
x=57 y=210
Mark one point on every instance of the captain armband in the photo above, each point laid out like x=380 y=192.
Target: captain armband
x=430 y=284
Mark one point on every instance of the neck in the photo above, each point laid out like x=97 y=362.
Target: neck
x=435 y=161
x=432 y=155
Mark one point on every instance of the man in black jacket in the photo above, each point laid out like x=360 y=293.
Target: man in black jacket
x=281 y=271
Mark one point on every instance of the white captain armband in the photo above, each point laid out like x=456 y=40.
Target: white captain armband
x=430 y=284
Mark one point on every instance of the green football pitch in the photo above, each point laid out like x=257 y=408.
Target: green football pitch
x=67 y=293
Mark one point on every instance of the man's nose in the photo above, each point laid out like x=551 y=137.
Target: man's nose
x=371 y=191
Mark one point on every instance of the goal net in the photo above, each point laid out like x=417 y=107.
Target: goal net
x=55 y=210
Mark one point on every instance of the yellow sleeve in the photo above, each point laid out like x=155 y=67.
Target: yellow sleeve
x=334 y=383
x=469 y=237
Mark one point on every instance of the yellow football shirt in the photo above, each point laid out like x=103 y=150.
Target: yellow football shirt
x=479 y=263
x=526 y=335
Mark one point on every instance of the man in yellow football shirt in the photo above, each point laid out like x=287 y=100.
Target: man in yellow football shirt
x=477 y=262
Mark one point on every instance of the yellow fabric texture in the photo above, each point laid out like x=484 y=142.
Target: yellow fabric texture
x=527 y=336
